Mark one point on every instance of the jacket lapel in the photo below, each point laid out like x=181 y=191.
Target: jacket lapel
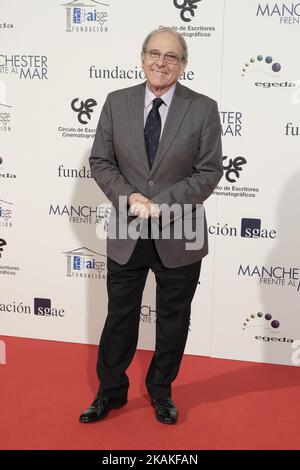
x=136 y=116
x=179 y=106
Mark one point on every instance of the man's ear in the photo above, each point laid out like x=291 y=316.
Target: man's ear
x=183 y=66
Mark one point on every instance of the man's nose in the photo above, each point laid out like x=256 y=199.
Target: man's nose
x=161 y=61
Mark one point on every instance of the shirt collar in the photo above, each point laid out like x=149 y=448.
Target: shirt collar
x=166 y=97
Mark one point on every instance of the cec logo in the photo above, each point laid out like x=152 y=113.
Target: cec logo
x=233 y=168
x=187 y=8
x=84 y=108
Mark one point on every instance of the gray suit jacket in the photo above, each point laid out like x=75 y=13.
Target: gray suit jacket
x=186 y=169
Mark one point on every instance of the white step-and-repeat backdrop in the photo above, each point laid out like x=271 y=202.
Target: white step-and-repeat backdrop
x=58 y=61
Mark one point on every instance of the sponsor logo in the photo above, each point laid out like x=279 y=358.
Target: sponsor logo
x=269 y=328
x=275 y=66
x=84 y=109
x=84 y=263
x=89 y=16
x=187 y=8
x=25 y=66
x=261 y=320
x=131 y=73
x=284 y=12
x=44 y=308
x=233 y=168
x=250 y=228
x=78 y=214
x=231 y=123
x=277 y=276
x=41 y=307
x=263 y=72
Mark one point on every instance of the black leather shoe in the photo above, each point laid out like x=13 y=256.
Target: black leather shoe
x=100 y=408
x=165 y=410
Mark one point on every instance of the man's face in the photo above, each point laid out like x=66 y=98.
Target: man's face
x=160 y=74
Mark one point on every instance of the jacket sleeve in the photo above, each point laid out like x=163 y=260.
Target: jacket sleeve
x=207 y=167
x=103 y=163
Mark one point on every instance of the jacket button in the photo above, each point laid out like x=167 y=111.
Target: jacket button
x=151 y=183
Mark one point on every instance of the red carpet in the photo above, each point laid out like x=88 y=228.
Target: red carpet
x=223 y=404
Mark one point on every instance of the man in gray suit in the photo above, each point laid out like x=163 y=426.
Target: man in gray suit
x=156 y=156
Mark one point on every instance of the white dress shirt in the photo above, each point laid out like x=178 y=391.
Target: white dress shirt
x=163 y=109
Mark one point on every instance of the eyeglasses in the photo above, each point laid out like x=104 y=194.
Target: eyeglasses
x=169 y=58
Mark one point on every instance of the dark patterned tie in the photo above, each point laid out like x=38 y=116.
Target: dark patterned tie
x=152 y=130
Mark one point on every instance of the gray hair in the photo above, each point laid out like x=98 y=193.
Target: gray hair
x=165 y=29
